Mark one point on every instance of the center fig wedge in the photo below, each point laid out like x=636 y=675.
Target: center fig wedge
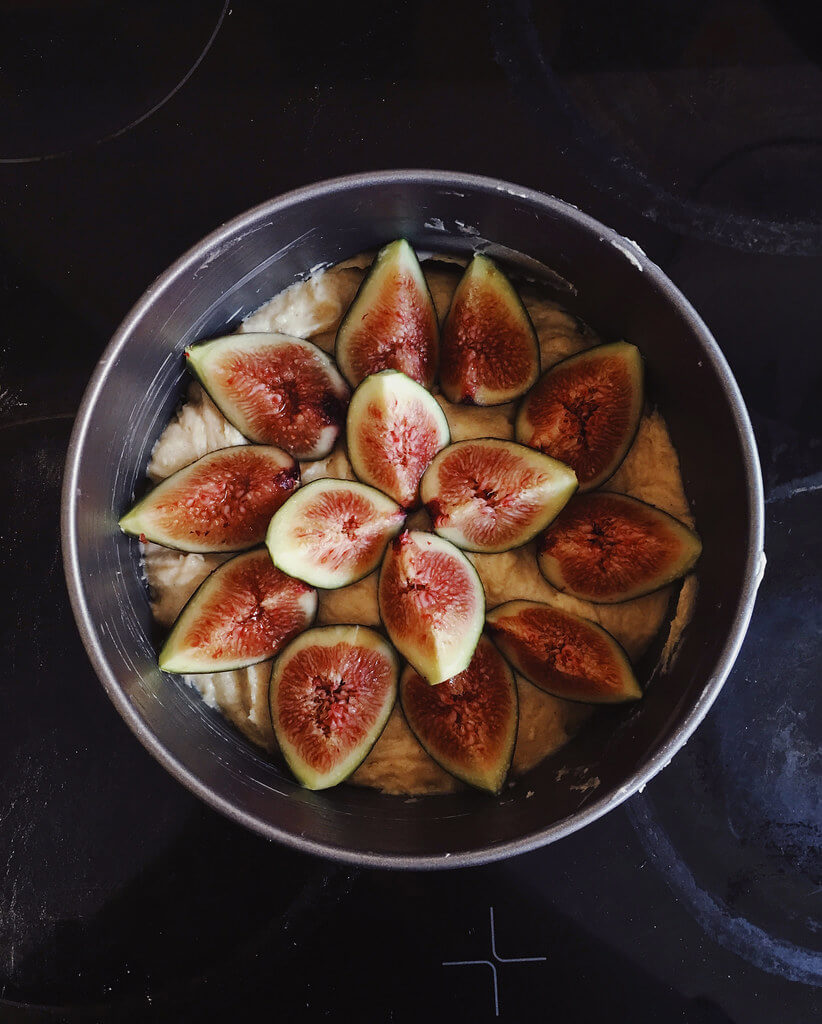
x=431 y=603
x=331 y=533
x=490 y=495
x=393 y=429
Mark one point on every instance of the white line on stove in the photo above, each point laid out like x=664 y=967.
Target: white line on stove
x=499 y=960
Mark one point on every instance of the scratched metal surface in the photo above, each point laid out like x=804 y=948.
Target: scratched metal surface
x=121 y=897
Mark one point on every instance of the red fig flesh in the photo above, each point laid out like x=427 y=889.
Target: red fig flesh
x=563 y=654
x=489 y=349
x=332 y=690
x=221 y=502
x=243 y=613
x=608 y=548
x=275 y=390
x=392 y=323
x=331 y=533
x=394 y=428
x=467 y=724
x=490 y=495
x=585 y=411
x=431 y=603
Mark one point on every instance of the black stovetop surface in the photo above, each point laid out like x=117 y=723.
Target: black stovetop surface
x=131 y=130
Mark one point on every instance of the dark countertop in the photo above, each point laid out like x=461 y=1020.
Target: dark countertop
x=694 y=129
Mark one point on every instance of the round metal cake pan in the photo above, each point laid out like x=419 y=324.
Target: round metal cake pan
x=593 y=271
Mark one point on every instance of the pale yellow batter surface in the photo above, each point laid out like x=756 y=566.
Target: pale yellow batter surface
x=397 y=764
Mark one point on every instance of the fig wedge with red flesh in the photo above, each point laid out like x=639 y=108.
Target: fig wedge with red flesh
x=563 y=654
x=331 y=533
x=608 y=548
x=243 y=613
x=221 y=502
x=467 y=724
x=274 y=389
x=489 y=350
x=431 y=603
x=393 y=429
x=332 y=691
x=585 y=411
x=392 y=323
x=490 y=495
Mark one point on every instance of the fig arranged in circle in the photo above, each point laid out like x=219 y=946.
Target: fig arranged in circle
x=221 y=502
x=274 y=389
x=331 y=533
x=490 y=495
x=467 y=724
x=489 y=351
x=392 y=323
x=332 y=691
x=608 y=548
x=585 y=411
x=394 y=428
x=243 y=613
x=563 y=654
x=431 y=603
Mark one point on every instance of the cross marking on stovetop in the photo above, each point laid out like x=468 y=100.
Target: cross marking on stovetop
x=492 y=963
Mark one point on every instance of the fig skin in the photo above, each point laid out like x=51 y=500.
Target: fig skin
x=308 y=507
x=274 y=389
x=467 y=724
x=489 y=350
x=393 y=418
x=513 y=473
x=388 y=327
x=423 y=565
x=253 y=592
x=220 y=502
x=319 y=700
x=563 y=654
x=585 y=411
x=608 y=548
